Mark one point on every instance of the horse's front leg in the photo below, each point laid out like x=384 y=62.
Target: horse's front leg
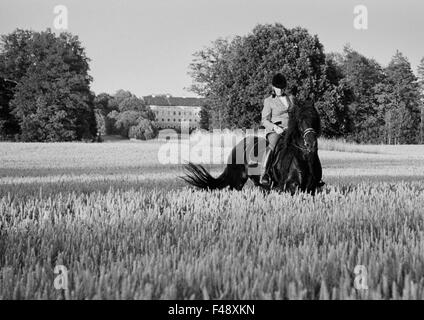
x=294 y=179
x=310 y=184
x=315 y=173
x=292 y=187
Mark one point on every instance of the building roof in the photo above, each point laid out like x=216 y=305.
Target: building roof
x=164 y=100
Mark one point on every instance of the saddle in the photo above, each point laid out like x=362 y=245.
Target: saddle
x=256 y=152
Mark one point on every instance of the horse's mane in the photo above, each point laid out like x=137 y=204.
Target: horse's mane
x=303 y=111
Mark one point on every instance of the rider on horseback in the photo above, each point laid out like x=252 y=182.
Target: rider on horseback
x=297 y=165
x=275 y=119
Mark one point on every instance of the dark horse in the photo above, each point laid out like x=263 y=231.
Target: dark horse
x=295 y=163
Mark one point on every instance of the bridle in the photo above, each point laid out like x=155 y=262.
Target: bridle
x=308 y=131
x=305 y=133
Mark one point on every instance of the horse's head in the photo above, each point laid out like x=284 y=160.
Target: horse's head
x=306 y=126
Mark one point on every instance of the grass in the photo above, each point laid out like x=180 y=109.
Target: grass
x=126 y=228
x=343 y=146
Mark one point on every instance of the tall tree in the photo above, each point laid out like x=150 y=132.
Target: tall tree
x=52 y=100
x=234 y=76
x=16 y=54
x=421 y=84
x=9 y=126
x=204 y=118
x=399 y=97
x=102 y=107
x=132 y=117
x=334 y=103
x=361 y=75
x=15 y=59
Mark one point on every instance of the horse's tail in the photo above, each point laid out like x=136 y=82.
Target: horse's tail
x=199 y=177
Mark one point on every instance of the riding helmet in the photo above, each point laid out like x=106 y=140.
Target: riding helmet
x=279 y=81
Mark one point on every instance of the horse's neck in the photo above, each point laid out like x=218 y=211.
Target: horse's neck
x=295 y=140
x=289 y=151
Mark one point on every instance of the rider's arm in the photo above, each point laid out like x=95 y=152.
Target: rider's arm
x=266 y=116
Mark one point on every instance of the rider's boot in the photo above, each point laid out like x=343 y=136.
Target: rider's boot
x=265 y=179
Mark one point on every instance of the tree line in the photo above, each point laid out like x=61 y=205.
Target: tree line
x=45 y=90
x=125 y=114
x=45 y=93
x=357 y=98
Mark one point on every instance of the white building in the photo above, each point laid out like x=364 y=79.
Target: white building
x=171 y=111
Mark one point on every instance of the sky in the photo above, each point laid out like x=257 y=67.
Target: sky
x=147 y=46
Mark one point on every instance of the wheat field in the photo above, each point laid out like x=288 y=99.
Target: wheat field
x=125 y=227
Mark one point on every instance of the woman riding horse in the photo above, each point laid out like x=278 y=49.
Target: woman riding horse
x=275 y=118
x=295 y=165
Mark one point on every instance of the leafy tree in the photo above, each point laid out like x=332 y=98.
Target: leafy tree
x=9 y=126
x=360 y=76
x=102 y=107
x=234 y=76
x=334 y=111
x=125 y=120
x=16 y=54
x=131 y=116
x=143 y=130
x=15 y=59
x=334 y=104
x=204 y=118
x=126 y=101
x=52 y=100
x=399 y=97
x=421 y=84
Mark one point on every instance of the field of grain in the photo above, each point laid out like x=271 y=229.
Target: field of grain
x=125 y=227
